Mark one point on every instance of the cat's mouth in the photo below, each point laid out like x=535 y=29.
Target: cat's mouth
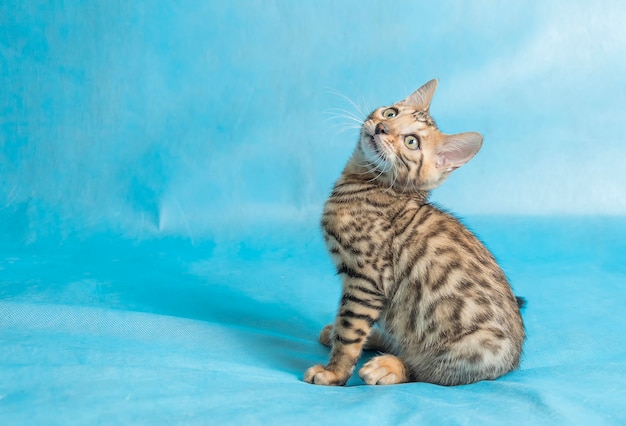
x=371 y=140
x=372 y=143
x=378 y=146
x=375 y=147
x=375 y=150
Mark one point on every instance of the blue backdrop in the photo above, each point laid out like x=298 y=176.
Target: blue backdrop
x=164 y=164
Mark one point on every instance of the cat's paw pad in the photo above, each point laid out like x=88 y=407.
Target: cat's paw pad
x=326 y=336
x=319 y=375
x=383 y=370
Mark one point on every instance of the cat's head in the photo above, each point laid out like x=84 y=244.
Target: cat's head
x=401 y=146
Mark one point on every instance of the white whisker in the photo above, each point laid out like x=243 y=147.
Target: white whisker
x=343 y=129
x=347 y=117
x=344 y=111
x=346 y=98
x=379 y=165
x=343 y=126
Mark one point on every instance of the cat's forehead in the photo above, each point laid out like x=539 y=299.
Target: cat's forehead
x=423 y=117
x=408 y=116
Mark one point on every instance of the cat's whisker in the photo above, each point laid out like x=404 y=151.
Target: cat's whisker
x=365 y=107
x=339 y=116
x=346 y=125
x=339 y=132
x=346 y=98
x=343 y=127
x=357 y=114
x=346 y=129
x=343 y=120
x=379 y=158
x=371 y=168
x=386 y=167
x=394 y=175
x=374 y=166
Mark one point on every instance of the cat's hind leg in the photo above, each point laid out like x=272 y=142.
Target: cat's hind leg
x=326 y=335
x=375 y=340
x=384 y=370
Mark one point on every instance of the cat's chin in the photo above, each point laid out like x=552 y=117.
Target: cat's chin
x=373 y=149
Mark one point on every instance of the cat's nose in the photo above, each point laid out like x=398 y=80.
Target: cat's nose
x=381 y=128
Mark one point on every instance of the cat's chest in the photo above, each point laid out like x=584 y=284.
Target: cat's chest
x=356 y=220
x=354 y=229
x=359 y=233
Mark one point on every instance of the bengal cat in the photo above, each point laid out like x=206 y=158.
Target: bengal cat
x=417 y=284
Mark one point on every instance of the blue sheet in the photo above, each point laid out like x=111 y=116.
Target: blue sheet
x=163 y=172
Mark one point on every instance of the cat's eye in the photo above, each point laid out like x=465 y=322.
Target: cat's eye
x=411 y=142
x=390 y=113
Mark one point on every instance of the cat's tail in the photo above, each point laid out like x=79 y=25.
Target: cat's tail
x=521 y=302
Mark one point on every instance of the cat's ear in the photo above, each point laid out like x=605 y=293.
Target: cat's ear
x=458 y=149
x=421 y=98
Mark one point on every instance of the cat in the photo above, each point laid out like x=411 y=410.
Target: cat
x=417 y=284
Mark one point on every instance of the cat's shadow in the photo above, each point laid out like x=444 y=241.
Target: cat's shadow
x=277 y=334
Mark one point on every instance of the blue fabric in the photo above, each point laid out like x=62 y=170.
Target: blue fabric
x=163 y=172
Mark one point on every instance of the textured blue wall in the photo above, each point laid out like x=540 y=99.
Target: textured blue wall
x=163 y=166
x=183 y=117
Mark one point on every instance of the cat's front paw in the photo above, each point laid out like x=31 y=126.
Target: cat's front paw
x=384 y=370
x=319 y=375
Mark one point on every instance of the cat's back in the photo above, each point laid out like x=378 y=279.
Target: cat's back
x=447 y=283
x=434 y=235
x=434 y=249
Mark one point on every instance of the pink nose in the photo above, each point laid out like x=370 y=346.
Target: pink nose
x=381 y=128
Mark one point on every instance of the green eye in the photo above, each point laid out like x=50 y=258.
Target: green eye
x=390 y=113
x=412 y=142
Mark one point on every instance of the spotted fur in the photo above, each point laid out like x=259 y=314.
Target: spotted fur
x=417 y=284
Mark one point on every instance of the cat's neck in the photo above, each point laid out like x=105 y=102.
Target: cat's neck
x=356 y=173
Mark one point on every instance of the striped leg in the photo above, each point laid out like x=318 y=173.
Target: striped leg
x=359 y=309
x=374 y=342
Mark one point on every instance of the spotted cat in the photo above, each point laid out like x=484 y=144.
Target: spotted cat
x=417 y=284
